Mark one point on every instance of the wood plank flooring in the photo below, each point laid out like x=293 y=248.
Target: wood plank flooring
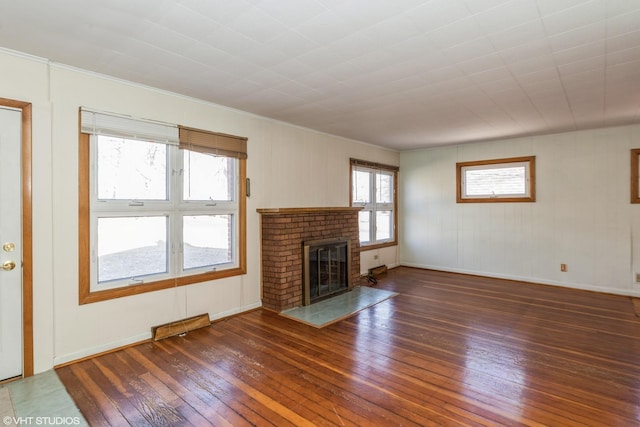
x=449 y=350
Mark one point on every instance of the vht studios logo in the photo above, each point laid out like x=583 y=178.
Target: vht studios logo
x=42 y=421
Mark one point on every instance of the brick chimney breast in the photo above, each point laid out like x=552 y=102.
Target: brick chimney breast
x=283 y=232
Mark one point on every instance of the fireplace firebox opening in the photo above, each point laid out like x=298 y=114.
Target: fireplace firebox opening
x=327 y=268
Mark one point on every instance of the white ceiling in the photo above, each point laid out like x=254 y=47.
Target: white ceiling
x=402 y=74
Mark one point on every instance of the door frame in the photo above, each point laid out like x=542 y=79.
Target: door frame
x=27 y=235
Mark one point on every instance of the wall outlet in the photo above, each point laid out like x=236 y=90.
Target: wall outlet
x=375 y=256
x=563 y=267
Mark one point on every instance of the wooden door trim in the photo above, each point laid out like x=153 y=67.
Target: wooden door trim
x=27 y=235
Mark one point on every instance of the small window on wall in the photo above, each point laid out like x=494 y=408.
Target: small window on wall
x=635 y=175
x=498 y=180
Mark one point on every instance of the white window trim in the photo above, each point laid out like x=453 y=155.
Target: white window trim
x=527 y=186
x=174 y=209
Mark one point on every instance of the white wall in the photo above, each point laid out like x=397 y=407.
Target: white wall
x=288 y=167
x=582 y=216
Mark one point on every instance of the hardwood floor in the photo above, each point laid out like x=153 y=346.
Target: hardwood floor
x=449 y=350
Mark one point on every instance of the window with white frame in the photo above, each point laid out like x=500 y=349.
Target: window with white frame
x=165 y=202
x=373 y=188
x=498 y=180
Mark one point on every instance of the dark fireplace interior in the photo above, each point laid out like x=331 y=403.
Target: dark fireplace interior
x=327 y=266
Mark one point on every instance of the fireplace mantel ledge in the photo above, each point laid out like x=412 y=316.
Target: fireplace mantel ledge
x=284 y=211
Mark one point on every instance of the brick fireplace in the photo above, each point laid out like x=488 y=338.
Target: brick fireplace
x=283 y=233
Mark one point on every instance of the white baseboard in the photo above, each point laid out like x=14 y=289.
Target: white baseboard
x=70 y=357
x=134 y=339
x=534 y=280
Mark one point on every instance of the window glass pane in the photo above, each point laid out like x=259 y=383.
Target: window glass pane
x=383 y=225
x=131 y=170
x=207 y=240
x=361 y=187
x=384 y=188
x=131 y=247
x=207 y=177
x=364 y=222
x=495 y=181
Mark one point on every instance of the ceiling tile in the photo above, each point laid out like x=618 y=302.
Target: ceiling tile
x=418 y=48
x=481 y=64
x=221 y=11
x=292 y=12
x=492 y=75
x=579 y=53
x=165 y=39
x=578 y=36
x=461 y=31
x=516 y=36
x=391 y=31
x=538 y=76
x=542 y=62
x=621 y=7
x=365 y=13
x=231 y=41
x=290 y=43
x=623 y=24
x=588 y=64
x=583 y=14
x=326 y=27
x=623 y=56
x=178 y=14
x=351 y=47
x=624 y=41
x=548 y=7
x=437 y=13
x=257 y=25
x=534 y=49
x=206 y=54
x=476 y=6
x=476 y=48
x=506 y=15
x=293 y=68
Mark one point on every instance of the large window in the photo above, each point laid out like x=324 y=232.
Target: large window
x=160 y=206
x=373 y=187
x=499 y=180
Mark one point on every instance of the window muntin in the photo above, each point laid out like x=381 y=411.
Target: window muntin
x=373 y=188
x=500 y=180
x=154 y=216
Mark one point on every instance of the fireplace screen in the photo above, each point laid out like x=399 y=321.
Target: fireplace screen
x=326 y=268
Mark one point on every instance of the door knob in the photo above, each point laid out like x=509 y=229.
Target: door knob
x=9 y=246
x=8 y=265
